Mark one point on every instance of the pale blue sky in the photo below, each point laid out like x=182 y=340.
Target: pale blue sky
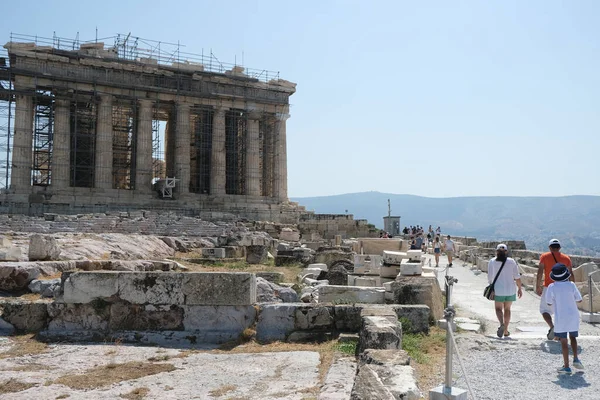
x=441 y=98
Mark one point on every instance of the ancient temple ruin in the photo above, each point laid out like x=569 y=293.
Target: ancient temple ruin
x=80 y=130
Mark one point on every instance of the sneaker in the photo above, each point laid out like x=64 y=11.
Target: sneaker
x=564 y=370
x=577 y=364
x=550 y=334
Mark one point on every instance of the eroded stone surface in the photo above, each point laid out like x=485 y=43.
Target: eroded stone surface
x=25 y=316
x=339 y=380
x=275 y=321
x=385 y=373
x=379 y=333
x=16 y=276
x=268 y=292
x=350 y=294
x=79 y=317
x=219 y=288
x=256 y=254
x=43 y=248
x=241 y=375
x=193 y=288
x=125 y=316
x=151 y=287
x=83 y=287
x=419 y=290
x=225 y=319
x=311 y=317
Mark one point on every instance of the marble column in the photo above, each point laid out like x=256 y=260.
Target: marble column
x=280 y=159
x=61 y=144
x=217 y=162
x=253 y=172
x=22 y=157
x=268 y=156
x=143 y=151
x=103 y=173
x=182 y=148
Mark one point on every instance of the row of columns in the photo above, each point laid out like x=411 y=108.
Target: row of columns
x=23 y=142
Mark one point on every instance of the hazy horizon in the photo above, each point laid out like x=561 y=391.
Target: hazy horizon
x=438 y=197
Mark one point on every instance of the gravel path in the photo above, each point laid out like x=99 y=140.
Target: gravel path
x=524 y=366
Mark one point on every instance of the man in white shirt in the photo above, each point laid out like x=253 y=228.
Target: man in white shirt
x=449 y=248
x=505 y=291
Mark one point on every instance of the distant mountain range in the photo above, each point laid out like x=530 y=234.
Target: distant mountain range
x=575 y=220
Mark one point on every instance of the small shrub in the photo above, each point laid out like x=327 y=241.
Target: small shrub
x=406 y=325
x=348 y=348
x=419 y=346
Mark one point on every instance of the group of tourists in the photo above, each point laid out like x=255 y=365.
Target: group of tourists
x=555 y=285
x=436 y=242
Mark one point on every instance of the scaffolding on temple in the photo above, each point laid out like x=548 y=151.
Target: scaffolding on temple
x=81 y=120
x=7 y=115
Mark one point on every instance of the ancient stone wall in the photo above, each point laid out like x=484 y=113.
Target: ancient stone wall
x=330 y=225
x=139 y=222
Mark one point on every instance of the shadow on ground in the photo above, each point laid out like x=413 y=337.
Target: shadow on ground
x=553 y=347
x=574 y=381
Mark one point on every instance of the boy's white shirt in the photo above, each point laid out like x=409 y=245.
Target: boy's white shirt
x=564 y=296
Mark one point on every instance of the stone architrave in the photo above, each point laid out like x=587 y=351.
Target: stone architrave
x=182 y=148
x=217 y=165
x=253 y=171
x=280 y=159
x=104 y=144
x=20 y=177
x=61 y=144
x=143 y=168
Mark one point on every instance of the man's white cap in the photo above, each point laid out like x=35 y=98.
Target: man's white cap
x=501 y=246
x=554 y=241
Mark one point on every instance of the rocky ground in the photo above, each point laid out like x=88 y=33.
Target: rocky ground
x=29 y=369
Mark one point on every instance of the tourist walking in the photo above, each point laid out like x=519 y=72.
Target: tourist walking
x=564 y=296
x=437 y=250
x=449 y=248
x=547 y=261
x=419 y=242
x=503 y=272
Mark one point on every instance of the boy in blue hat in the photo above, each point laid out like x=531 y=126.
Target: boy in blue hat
x=564 y=295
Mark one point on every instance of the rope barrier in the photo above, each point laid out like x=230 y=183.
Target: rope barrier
x=461 y=364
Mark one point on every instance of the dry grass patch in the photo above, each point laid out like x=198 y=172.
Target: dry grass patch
x=112 y=373
x=25 y=345
x=31 y=296
x=159 y=358
x=13 y=385
x=31 y=367
x=428 y=354
x=136 y=394
x=222 y=391
x=56 y=275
